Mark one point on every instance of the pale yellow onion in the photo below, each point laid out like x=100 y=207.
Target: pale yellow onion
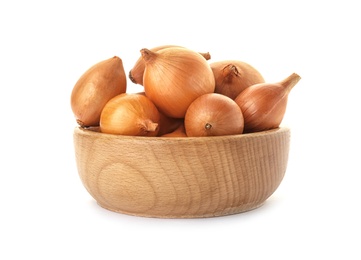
x=174 y=77
x=130 y=114
x=213 y=115
x=264 y=104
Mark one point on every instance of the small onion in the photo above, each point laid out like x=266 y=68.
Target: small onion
x=168 y=124
x=178 y=132
x=264 y=104
x=174 y=77
x=136 y=73
x=130 y=114
x=213 y=115
x=95 y=88
x=233 y=76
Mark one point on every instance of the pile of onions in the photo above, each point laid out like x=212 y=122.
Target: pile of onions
x=184 y=96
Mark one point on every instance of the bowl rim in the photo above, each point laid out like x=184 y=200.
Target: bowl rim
x=94 y=131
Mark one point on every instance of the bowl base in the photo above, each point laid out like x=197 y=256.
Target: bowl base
x=226 y=212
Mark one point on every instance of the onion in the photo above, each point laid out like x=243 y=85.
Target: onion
x=95 y=88
x=168 y=124
x=136 y=73
x=233 y=76
x=178 y=132
x=174 y=77
x=213 y=115
x=264 y=104
x=130 y=114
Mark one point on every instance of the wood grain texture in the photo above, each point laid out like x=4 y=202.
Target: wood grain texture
x=181 y=177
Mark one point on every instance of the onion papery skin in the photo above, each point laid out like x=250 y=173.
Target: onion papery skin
x=213 y=115
x=234 y=76
x=264 y=105
x=130 y=114
x=174 y=77
x=96 y=86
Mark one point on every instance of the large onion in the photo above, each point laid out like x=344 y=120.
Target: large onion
x=174 y=77
x=136 y=73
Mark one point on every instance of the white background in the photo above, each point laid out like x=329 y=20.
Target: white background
x=45 y=46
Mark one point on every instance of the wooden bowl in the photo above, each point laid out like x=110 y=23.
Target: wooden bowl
x=181 y=177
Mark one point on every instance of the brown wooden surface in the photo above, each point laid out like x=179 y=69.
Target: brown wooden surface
x=181 y=177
